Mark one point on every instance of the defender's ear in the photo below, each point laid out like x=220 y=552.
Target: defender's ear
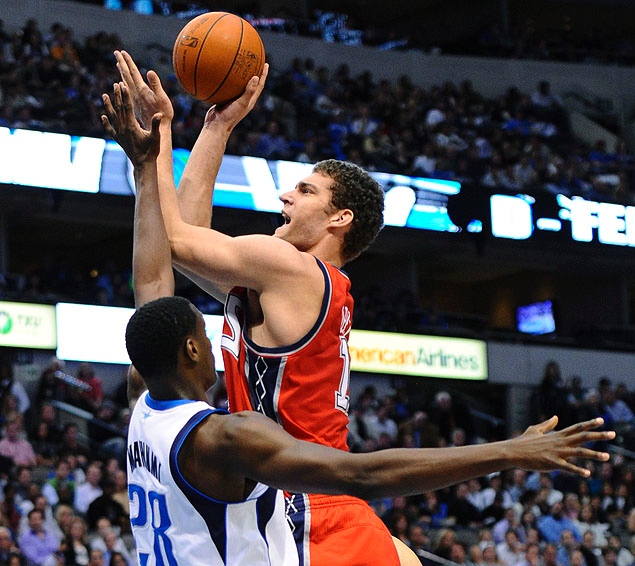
x=191 y=349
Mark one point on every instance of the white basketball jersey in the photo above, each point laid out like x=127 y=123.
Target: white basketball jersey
x=172 y=522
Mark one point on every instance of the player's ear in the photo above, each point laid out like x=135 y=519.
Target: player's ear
x=191 y=349
x=342 y=218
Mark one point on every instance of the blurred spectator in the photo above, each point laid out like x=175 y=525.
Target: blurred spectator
x=118 y=559
x=419 y=541
x=89 y=393
x=89 y=490
x=73 y=445
x=590 y=550
x=49 y=386
x=511 y=551
x=588 y=521
x=64 y=516
x=493 y=488
x=37 y=544
x=609 y=556
x=575 y=398
x=553 y=524
x=96 y=558
x=442 y=545
x=623 y=556
x=120 y=495
x=74 y=547
x=449 y=413
x=548 y=106
x=10 y=511
x=60 y=487
x=510 y=521
x=464 y=513
x=532 y=555
x=14 y=447
x=45 y=449
x=23 y=483
x=106 y=506
x=433 y=512
x=620 y=413
x=381 y=423
x=7 y=545
x=9 y=385
x=552 y=397
x=107 y=433
x=490 y=555
x=567 y=546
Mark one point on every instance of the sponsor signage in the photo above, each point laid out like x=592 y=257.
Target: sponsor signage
x=94 y=165
x=418 y=355
x=97 y=334
x=93 y=333
x=26 y=325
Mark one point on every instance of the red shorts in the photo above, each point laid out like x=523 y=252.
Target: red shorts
x=340 y=530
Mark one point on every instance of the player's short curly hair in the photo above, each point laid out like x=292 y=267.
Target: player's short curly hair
x=355 y=189
x=156 y=332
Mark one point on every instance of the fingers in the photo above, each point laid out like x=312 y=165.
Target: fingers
x=117 y=110
x=123 y=68
x=155 y=82
x=109 y=113
x=583 y=427
x=583 y=454
x=128 y=69
x=548 y=425
x=156 y=122
x=265 y=73
x=578 y=470
x=109 y=119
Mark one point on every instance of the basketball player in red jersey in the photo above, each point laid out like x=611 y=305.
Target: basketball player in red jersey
x=288 y=309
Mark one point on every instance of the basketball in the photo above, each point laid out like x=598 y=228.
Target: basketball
x=215 y=55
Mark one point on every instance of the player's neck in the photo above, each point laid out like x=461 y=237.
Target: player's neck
x=328 y=251
x=171 y=391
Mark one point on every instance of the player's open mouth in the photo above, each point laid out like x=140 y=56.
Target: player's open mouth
x=285 y=219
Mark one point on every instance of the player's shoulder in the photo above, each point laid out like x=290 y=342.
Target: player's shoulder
x=284 y=255
x=221 y=431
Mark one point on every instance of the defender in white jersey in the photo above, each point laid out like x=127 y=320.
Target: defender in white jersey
x=196 y=475
x=173 y=522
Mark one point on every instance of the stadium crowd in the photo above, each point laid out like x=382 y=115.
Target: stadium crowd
x=64 y=498
x=518 y=141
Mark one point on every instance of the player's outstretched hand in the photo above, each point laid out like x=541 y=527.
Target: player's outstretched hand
x=148 y=98
x=229 y=115
x=541 y=448
x=120 y=122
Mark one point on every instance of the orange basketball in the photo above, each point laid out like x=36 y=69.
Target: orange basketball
x=215 y=55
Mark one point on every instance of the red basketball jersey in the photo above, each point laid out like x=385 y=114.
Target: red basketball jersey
x=303 y=386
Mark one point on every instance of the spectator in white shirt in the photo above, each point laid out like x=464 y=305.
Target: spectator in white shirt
x=88 y=491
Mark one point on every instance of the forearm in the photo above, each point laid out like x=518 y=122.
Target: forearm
x=165 y=166
x=264 y=452
x=151 y=260
x=275 y=458
x=408 y=472
x=196 y=187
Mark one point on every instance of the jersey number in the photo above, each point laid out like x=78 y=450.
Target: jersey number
x=231 y=342
x=341 y=395
x=159 y=521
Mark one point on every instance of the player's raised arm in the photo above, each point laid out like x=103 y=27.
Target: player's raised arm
x=153 y=276
x=196 y=187
x=261 y=450
x=197 y=181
